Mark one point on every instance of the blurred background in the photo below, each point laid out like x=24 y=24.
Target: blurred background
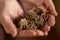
x=54 y=34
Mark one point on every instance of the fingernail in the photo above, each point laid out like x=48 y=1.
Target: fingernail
x=51 y=20
x=46 y=33
x=46 y=27
x=54 y=13
x=14 y=34
x=39 y=33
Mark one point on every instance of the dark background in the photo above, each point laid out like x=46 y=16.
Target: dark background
x=54 y=34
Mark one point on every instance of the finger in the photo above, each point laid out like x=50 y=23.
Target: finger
x=45 y=33
x=39 y=33
x=9 y=26
x=46 y=28
x=26 y=33
x=51 y=20
x=49 y=4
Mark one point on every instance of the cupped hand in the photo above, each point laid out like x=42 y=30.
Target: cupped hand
x=51 y=21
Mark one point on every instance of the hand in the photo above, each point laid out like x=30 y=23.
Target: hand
x=10 y=9
x=51 y=21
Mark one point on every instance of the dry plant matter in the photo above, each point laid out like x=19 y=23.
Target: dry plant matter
x=35 y=18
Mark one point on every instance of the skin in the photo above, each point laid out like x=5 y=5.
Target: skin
x=12 y=9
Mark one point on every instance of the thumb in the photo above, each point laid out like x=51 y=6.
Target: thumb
x=9 y=26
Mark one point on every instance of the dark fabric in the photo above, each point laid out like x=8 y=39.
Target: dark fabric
x=2 y=34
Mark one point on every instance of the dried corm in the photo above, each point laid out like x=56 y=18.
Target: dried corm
x=35 y=18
